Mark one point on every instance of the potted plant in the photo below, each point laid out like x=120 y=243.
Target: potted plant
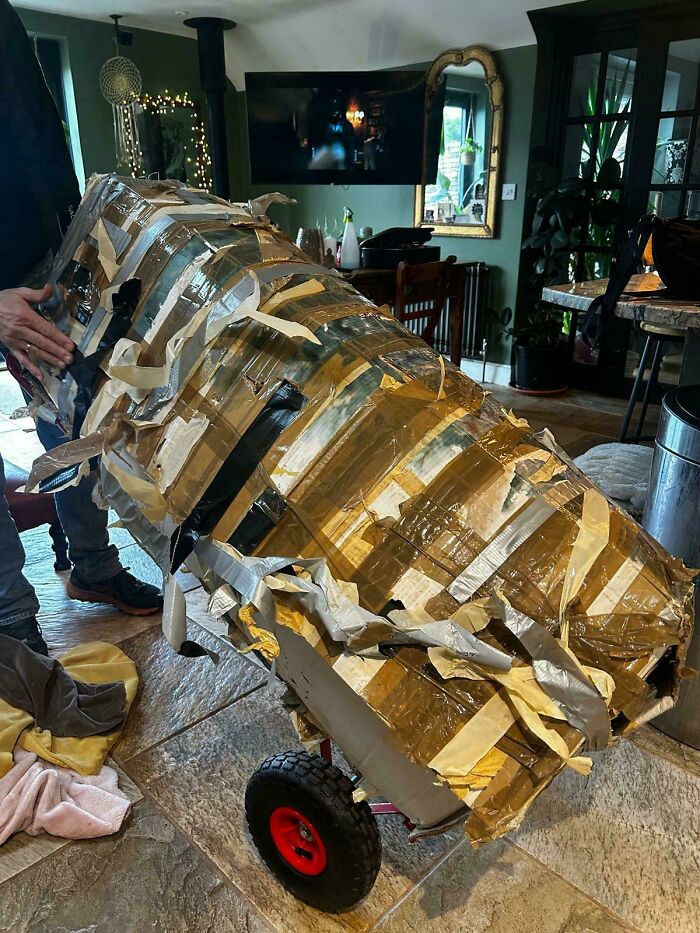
x=468 y=151
x=563 y=212
x=445 y=203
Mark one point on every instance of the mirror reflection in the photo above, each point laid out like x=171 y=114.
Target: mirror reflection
x=458 y=196
x=463 y=132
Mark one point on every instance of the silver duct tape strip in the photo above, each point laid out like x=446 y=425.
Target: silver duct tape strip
x=345 y=621
x=195 y=346
x=100 y=192
x=143 y=243
x=67 y=391
x=120 y=238
x=447 y=634
x=558 y=675
x=94 y=324
x=190 y=196
x=494 y=555
x=154 y=539
x=158 y=227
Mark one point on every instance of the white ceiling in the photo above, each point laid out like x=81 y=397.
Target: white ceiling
x=307 y=35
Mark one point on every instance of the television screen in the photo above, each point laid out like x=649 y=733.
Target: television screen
x=336 y=127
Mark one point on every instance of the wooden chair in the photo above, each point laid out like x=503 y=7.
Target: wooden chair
x=31 y=510
x=424 y=284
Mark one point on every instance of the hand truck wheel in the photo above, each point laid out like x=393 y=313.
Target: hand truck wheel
x=319 y=843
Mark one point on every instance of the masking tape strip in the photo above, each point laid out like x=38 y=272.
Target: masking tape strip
x=174 y=623
x=177 y=444
x=105 y=251
x=591 y=541
x=312 y=287
x=474 y=740
x=139 y=488
x=558 y=675
x=608 y=598
x=524 y=693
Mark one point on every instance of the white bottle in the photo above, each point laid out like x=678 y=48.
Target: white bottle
x=349 y=248
x=330 y=243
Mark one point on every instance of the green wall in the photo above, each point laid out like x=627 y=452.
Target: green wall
x=392 y=205
x=171 y=62
x=165 y=62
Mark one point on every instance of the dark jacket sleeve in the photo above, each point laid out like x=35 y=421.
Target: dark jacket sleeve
x=39 y=190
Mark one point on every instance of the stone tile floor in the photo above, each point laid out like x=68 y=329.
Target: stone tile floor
x=618 y=851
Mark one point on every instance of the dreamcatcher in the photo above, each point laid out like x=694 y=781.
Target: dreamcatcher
x=120 y=83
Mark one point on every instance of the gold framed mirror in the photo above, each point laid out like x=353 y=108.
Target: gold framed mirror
x=464 y=110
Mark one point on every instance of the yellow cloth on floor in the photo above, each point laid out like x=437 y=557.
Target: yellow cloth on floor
x=95 y=662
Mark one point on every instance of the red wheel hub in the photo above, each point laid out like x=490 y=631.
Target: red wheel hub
x=298 y=841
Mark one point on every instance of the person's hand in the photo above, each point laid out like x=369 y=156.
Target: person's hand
x=28 y=334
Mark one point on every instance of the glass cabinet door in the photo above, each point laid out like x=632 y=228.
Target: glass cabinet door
x=675 y=178
x=596 y=131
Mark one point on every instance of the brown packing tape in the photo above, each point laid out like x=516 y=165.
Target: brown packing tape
x=501 y=806
x=398 y=471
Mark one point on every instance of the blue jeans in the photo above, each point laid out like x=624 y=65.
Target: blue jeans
x=85 y=525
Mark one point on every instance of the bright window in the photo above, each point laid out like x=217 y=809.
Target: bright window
x=52 y=54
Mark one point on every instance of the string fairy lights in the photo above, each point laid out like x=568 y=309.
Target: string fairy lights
x=164 y=103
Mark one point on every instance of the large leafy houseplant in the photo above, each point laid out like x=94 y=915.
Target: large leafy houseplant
x=564 y=211
x=617 y=99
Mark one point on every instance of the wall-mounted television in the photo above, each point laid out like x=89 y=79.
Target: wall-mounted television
x=336 y=127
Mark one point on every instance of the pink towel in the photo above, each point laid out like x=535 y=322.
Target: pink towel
x=38 y=797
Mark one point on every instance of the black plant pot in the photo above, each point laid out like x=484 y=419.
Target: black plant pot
x=540 y=369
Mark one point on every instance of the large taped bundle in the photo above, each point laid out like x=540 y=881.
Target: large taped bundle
x=438 y=585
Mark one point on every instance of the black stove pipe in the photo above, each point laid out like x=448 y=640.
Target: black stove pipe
x=212 y=74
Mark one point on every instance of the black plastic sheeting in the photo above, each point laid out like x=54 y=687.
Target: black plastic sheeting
x=83 y=369
x=264 y=514
x=276 y=416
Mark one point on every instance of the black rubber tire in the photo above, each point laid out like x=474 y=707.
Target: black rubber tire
x=349 y=831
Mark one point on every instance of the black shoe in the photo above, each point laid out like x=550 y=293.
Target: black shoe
x=123 y=591
x=27 y=631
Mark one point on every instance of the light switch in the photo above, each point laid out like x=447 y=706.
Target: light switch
x=509 y=192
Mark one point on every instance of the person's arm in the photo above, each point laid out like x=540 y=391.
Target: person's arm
x=27 y=334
